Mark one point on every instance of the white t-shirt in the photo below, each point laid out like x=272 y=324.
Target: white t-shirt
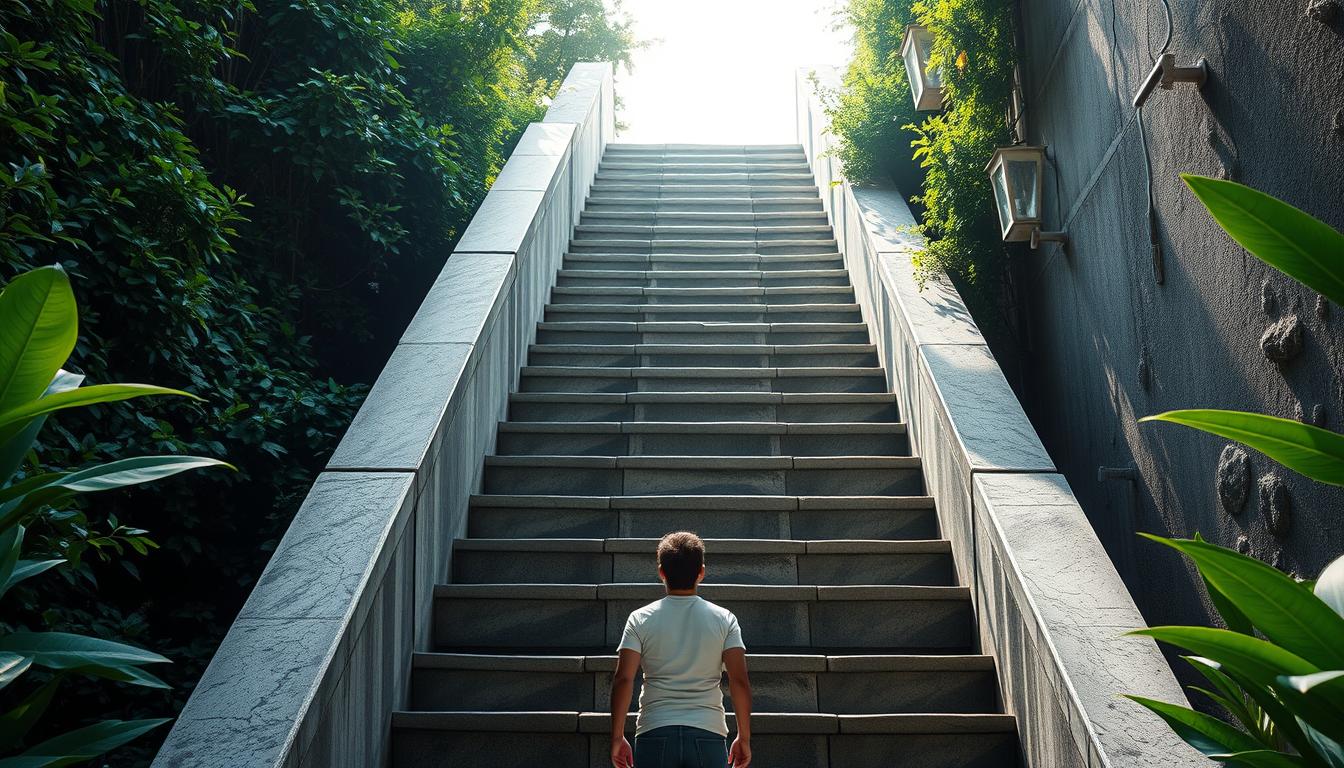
x=681 y=639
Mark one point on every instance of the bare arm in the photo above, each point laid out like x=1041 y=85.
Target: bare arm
x=739 y=689
x=622 y=688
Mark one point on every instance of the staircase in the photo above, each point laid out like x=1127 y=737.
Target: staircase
x=702 y=366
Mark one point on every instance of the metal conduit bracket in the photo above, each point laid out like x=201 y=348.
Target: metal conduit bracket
x=1166 y=74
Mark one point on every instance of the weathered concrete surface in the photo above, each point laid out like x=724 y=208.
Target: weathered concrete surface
x=1110 y=345
x=320 y=655
x=1050 y=605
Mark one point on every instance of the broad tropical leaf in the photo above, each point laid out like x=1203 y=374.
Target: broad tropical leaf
x=1286 y=238
x=16 y=723
x=13 y=420
x=12 y=665
x=38 y=334
x=11 y=546
x=27 y=569
x=128 y=675
x=82 y=744
x=1208 y=734
x=13 y=450
x=1305 y=683
x=1329 y=586
x=1279 y=607
x=65 y=651
x=1260 y=661
x=1232 y=616
x=1315 y=452
x=1227 y=694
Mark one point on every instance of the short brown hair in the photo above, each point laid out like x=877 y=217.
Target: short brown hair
x=681 y=555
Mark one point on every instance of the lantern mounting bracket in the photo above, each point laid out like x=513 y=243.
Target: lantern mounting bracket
x=1038 y=236
x=1166 y=74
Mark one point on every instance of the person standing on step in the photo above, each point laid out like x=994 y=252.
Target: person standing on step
x=684 y=643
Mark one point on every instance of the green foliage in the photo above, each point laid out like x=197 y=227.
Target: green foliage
x=871 y=112
x=567 y=31
x=973 y=46
x=1278 y=669
x=1315 y=452
x=39 y=323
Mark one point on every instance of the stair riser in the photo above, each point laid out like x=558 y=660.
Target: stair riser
x=725 y=444
x=672 y=280
x=504 y=522
x=757 y=179
x=724 y=234
x=845 y=693
x=546 y=336
x=718 y=314
x=834 y=359
x=435 y=749
x=605 y=191
x=794 y=246
x=648 y=204
x=496 y=567
x=581 y=481
x=705 y=219
x=865 y=412
x=834 y=384
x=715 y=262
x=537 y=624
x=585 y=296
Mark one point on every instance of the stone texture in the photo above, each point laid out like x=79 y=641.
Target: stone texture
x=1276 y=505
x=1233 y=479
x=502 y=223
x=1282 y=341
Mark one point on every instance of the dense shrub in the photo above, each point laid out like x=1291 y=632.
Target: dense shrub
x=250 y=195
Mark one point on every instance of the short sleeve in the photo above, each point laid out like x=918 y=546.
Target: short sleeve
x=630 y=637
x=734 y=637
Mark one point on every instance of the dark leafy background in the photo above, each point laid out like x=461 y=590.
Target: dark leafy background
x=251 y=197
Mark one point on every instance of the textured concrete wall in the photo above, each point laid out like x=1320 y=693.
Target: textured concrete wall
x=1050 y=607
x=1109 y=345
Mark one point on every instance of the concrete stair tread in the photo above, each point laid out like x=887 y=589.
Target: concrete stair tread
x=704 y=397
x=692 y=326
x=668 y=309
x=761 y=722
x=650 y=591
x=634 y=290
x=704 y=349
x=706 y=501
x=717 y=546
x=694 y=372
x=705 y=427
x=644 y=274
x=756 y=662
x=708 y=461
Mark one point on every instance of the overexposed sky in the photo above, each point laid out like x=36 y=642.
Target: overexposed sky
x=723 y=71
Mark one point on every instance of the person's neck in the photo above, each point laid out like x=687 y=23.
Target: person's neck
x=681 y=592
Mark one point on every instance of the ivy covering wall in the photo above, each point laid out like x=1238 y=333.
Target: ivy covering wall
x=250 y=197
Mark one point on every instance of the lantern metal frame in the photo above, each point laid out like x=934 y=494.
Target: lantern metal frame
x=1017 y=225
x=926 y=86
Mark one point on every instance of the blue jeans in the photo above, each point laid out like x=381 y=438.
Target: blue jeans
x=680 y=746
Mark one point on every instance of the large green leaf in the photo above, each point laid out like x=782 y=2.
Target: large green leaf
x=12 y=665
x=13 y=449
x=1266 y=704
x=1228 y=610
x=27 y=569
x=1228 y=695
x=1212 y=736
x=1330 y=585
x=65 y=651
x=83 y=744
x=1315 y=452
x=13 y=420
x=11 y=547
x=1284 y=611
x=102 y=477
x=1260 y=661
x=1288 y=239
x=39 y=324
x=16 y=723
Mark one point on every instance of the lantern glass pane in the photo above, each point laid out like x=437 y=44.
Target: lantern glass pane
x=1001 y=197
x=934 y=75
x=913 y=68
x=1022 y=181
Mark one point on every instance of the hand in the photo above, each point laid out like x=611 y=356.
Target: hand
x=621 y=756
x=740 y=754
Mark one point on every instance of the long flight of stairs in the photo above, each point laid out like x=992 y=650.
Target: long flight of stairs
x=702 y=366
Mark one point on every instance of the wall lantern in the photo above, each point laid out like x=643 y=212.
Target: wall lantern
x=1017 y=175
x=926 y=85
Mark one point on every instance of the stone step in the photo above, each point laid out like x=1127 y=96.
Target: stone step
x=616 y=332
x=692 y=156
x=757 y=247
x=665 y=190
x=677 y=262
x=671 y=149
x=539 y=378
x=704 y=355
x=731 y=165
x=713 y=232
x=617 y=203
x=706 y=312
x=689 y=438
x=571 y=739
x=705 y=218
x=732 y=561
x=753 y=178
x=722 y=278
x=847 y=685
x=765 y=407
x=701 y=294
x=585 y=617
x=681 y=475
x=715 y=516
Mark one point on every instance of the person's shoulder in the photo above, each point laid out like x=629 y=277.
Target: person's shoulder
x=718 y=611
x=641 y=614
